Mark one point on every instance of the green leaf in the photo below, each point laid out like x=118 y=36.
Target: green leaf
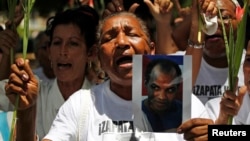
x=234 y=48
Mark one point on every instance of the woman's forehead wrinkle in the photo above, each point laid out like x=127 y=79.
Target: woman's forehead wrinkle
x=122 y=24
x=125 y=23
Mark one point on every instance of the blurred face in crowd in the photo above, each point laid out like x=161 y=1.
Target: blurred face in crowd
x=215 y=45
x=42 y=55
x=121 y=37
x=68 y=52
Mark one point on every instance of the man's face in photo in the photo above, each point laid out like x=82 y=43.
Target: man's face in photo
x=161 y=89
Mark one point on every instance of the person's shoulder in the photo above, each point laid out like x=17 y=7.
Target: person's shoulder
x=80 y=93
x=79 y=97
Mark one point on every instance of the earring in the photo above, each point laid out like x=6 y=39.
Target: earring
x=89 y=64
x=51 y=65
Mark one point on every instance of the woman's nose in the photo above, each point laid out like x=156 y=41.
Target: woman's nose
x=64 y=50
x=121 y=40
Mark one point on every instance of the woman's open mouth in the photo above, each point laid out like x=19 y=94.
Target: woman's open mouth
x=124 y=62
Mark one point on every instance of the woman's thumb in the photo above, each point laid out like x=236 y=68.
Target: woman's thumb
x=242 y=91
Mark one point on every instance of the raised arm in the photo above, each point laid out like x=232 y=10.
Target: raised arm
x=8 y=40
x=162 y=13
x=197 y=128
x=23 y=84
x=196 y=38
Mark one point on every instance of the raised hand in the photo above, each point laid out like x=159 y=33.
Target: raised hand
x=160 y=9
x=230 y=104
x=117 y=6
x=8 y=39
x=112 y=7
x=18 y=17
x=22 y=83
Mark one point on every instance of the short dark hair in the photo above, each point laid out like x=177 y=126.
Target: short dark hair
x=166 y=66
x=85 y=17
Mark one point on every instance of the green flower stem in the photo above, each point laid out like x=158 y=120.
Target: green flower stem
x=28 y=4
x=28 y=7
x=14 y=120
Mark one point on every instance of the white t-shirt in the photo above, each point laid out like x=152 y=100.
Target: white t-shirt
x=211 y=82
x=109 y=117
x=49 y=101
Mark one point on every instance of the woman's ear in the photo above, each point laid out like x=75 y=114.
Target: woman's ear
x=152 y=48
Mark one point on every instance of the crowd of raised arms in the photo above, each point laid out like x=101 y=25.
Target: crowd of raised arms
x=81 y=85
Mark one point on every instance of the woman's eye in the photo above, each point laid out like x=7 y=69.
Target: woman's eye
x=106 y=39
x=74 y=44
x=226 y=17
x=132 y=34
x=56 y=43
